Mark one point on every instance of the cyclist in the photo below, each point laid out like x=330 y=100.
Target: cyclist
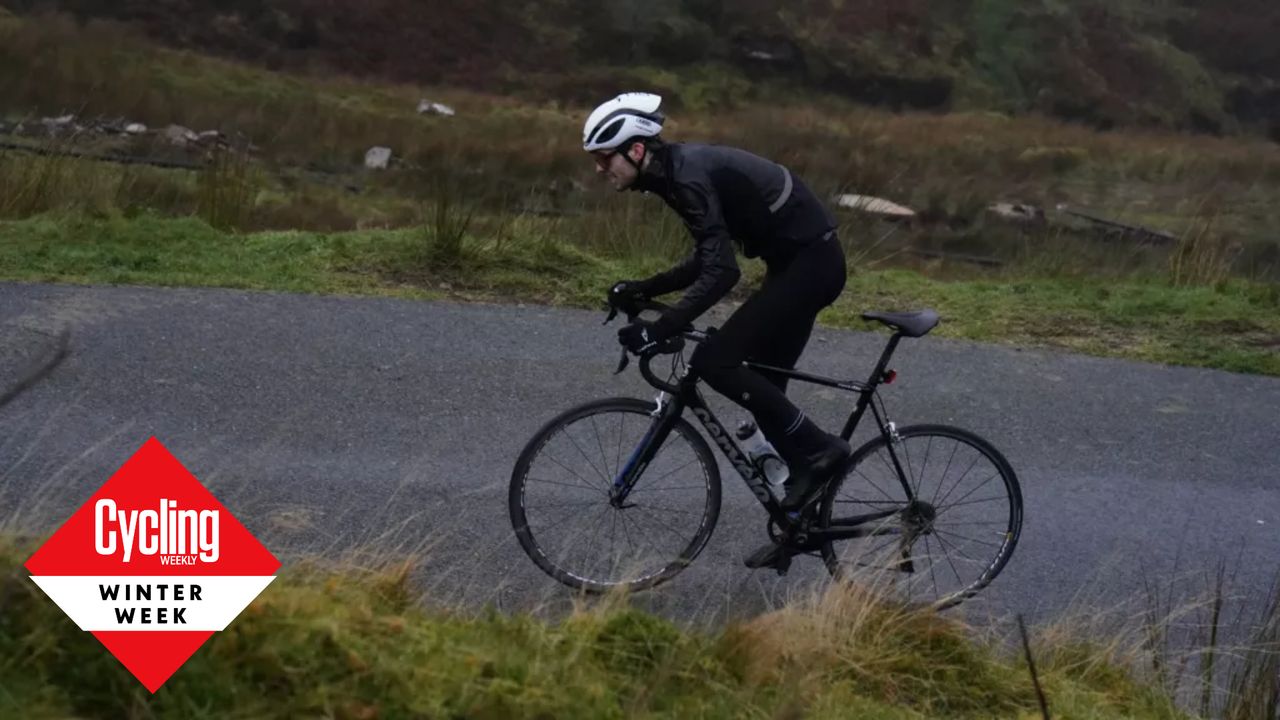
x=726 y=195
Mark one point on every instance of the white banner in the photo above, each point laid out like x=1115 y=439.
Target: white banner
x=164 y=603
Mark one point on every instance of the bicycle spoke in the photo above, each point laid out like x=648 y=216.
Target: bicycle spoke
x=626 y=531
x=885 y=458
x=575 y=486
x=1003 y=498
x=966 y=556
x=617 y=460
x=911 y=476
x=679 y=536
x=961 y=480
x=559 y=520
x=977 y=488
x=872 y=552
x=604 y=457
x=551 y=505
x=668 y=509
x=672 y=472
x=644 y=540
x=971 y=522
x=613 y=528
x=874 y=485
x=965 y=537
x=585 y=482
x=928 y=446
x=955 y=572
x=582 y=452
x=942 y=481
x=932 y=576
x=596 y=532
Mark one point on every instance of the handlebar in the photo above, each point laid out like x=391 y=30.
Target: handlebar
x=633 y=307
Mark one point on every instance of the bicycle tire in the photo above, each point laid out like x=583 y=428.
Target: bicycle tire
x=923 y=520
x=553 y=560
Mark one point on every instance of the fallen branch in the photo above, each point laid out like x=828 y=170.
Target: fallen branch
x=1159 y=236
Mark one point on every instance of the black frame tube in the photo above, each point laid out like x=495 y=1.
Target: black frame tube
x=686 y=395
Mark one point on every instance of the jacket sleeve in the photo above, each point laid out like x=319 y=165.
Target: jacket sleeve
x=677 y=278
x=713 y=261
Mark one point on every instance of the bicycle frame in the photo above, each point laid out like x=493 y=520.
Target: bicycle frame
x=674 y=400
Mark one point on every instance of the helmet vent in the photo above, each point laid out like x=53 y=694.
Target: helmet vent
x=610 y=130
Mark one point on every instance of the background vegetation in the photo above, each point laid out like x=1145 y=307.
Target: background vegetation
x=1174 y=63
x=350 y=643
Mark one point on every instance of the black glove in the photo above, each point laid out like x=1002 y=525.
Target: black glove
x=626 y=292
x=641 y=337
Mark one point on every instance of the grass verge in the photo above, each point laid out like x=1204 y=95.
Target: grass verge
x=1232 y=325
x=350 y=643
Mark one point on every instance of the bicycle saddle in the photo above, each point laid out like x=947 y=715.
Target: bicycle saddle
x=911 y=324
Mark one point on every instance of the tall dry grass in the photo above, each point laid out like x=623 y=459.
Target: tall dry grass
x=1194 y=637
x=1205 y=253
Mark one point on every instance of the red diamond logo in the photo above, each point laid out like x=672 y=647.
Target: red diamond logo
x=152 y=565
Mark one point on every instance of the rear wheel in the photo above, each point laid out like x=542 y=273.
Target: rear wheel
x=560 y=505
x=944 y=541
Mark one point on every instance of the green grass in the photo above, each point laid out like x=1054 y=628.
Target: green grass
x=347 y=643
x=1233 y=325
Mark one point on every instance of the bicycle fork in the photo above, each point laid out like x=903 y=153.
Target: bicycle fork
x=665 y=415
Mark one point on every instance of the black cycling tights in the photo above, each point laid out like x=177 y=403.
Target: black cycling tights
x=772 y=328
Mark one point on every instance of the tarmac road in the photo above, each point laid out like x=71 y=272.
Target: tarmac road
x=332 y=423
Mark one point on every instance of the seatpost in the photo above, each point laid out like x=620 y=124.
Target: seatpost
x=878 y=374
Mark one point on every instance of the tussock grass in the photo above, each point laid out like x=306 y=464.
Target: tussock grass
x=355 y=643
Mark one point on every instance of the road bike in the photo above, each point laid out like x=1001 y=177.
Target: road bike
x=623 y=493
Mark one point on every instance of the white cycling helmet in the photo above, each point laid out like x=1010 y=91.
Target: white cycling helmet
x=624 y=118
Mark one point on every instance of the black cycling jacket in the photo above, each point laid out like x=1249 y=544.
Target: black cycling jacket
x=724 y=195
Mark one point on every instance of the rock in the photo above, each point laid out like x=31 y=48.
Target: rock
x=179 y=135
x=135 y=129
x=875 y=206
x=212 y=138
x=1017 y=212
x=58 y=125
x=426 y=106
x=377 y=158
x=110 y=127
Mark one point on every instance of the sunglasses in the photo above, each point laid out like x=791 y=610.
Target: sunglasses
x=603 y=159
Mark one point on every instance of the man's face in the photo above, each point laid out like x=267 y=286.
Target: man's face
x=615 y=168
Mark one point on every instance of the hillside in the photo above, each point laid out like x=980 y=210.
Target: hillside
x=1165 y=63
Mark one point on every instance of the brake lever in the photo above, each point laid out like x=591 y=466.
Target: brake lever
x=613 y=313
x=623 y=362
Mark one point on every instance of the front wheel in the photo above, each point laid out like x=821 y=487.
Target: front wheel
x=946 y=513
x=561 y=509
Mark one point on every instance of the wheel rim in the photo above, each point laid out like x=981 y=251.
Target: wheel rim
x=946 y=545
x=586 y=540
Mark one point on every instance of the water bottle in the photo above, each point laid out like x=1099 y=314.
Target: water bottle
x=765 y=457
